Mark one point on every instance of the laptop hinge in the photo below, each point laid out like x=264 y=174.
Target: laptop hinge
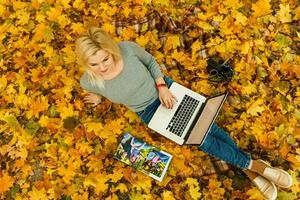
x=195 y=121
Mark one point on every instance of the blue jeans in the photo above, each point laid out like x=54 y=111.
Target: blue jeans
x=217 y=142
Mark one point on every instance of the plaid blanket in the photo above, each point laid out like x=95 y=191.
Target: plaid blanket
x=165 y=24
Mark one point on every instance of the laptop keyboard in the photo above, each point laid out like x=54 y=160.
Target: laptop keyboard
x=182 y=115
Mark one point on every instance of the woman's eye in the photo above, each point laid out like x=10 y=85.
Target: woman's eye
x=105 y=59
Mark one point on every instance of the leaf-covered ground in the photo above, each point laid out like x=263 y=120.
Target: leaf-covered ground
x=52 y=146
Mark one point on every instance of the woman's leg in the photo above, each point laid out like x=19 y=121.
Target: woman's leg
x=217 y=143
x=222 y=135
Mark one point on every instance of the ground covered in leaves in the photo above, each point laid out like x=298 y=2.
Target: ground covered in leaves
x=52 y=146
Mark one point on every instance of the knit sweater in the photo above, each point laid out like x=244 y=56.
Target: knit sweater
x=134 y=87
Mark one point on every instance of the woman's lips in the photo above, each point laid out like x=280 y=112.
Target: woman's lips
x=103 y=71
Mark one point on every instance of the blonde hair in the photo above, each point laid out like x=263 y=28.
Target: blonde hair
x=92 y=41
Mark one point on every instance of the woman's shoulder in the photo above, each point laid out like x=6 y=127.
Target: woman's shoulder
x=84 y=80
x=128 y=46
x=127 y=43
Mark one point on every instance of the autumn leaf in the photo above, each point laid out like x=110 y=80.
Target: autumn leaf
x=256 y=107
x=193 y=188
x=40 y=104
x=255 y=194
x=43 y=32
x=6 y=182
x=261 y=8
x=172 y=42
x=284 y=14
x=122 y=188
x=196 y=46
x=36 y=194
x=162 y=2
x=142 y=40
x=167 y=195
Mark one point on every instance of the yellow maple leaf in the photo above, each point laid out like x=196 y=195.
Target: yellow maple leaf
x=122 y=187
x=162 y=2
x=43 y=32
x=84 y=148
x=50 y=123
x=261 y=8
x=167 y=195
x=3 y=82
x=284 y=14
x=108 y=27
x=66 y=109
x=256 y=107
x=23 y=18
x=239 y=18
x=196 y=46
x=203 y=87
x=115 y=126
x=65 y=3
x=245 y=47
x=172 y=42
x=142 y=40
x=116 y=176
x=6 y=182
x=193 y=188
x=78 y=28
x=235 y=4
x=40 y=104
x=67 y=173
x=36 y=194
x=100 y=182
x=254 y=194
x=126 y=11
x=249 y=89
x=95 y=165
x=94 y=126
x=79 y=4
x=131 y=116
x=53 y=14
x=63 y=20
x=69 y=56
x=297 y=13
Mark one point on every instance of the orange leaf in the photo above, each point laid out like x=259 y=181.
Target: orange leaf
x=6 y=182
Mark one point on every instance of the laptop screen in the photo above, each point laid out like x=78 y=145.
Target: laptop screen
x=206 y=118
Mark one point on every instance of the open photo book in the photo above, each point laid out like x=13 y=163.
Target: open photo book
x=143 y=156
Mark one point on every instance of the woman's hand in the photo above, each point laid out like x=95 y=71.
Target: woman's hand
x=166 y=97
x=92 y=98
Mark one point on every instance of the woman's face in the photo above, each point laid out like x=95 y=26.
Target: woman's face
x=102 y=63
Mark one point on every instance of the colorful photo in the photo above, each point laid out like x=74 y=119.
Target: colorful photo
x=143 y=157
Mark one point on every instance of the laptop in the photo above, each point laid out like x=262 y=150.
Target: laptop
x=191 y=117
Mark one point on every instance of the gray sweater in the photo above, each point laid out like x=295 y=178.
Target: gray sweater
x=134 y=87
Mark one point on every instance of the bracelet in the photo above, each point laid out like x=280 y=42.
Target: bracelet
x=160 y=85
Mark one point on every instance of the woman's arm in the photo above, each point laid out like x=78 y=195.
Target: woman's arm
x=166 y=97
x=147 y=59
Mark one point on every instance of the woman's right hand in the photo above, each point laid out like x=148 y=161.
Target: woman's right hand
x=92 y=98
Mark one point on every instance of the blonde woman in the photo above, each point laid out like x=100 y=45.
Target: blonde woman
x=126 y=74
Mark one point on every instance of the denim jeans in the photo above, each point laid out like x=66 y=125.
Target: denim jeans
x=217 y=142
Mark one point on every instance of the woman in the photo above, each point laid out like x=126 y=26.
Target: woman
x=126 y=74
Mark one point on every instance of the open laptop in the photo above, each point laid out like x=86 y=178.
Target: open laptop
x=190 y=119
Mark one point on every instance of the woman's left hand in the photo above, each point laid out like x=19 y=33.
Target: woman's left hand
x=166 y=97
